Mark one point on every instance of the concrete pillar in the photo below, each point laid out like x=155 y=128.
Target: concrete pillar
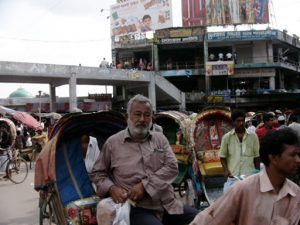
x=272 y=83
x=115 y=92
x=151 y=91
x=281 y=79
x=182 y=104
x=72 y=92
x=52 y=98
x=156 y=57
x=123 y=93
x=207 y=78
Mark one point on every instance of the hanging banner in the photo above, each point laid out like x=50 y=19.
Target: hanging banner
x=219 y=68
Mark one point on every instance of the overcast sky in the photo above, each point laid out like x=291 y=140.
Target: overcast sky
x=75 y=32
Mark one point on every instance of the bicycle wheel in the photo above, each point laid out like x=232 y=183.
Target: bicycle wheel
x=17 y=170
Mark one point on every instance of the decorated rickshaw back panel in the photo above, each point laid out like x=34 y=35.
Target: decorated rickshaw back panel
x=209 y=128
x=175 y=126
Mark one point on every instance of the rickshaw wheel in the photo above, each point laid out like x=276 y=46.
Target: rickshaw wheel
x=46 y=214
x=46 y=209
x=212 y=189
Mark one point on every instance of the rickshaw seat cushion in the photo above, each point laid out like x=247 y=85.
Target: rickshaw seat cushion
x=208 y=156
x=182 y=158
x=68 y=190
x=177 y=149
x=211 y=168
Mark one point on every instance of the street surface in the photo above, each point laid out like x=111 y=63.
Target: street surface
x=19 y=202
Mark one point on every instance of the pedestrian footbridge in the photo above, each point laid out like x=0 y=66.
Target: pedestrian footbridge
x=157 y=88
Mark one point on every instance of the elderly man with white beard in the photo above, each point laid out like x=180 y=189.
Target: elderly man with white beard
x=138 y=164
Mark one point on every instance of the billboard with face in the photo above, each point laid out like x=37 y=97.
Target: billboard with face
x=224 y=12
x=138 y=16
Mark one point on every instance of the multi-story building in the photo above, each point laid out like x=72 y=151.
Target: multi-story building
x=252 y=68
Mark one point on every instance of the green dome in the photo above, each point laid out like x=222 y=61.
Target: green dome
x=20 y=93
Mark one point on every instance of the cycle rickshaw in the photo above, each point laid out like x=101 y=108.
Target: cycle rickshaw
x=11 y=163
x=177 y=128
x=66 y=193
x=209 y=126
x=195 y=142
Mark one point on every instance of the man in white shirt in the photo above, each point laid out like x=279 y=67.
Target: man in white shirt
x=228 y=56
x=103 y=63
x=90 y=151
x=221 y=56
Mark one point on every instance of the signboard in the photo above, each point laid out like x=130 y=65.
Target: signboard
x=219 y=68
x=215 y=99
x=175 y=73
x=242 y=35
x=224 y=12
x=180 y=32
x=255 y=72
x=138 y=16
x=179 y=40
x=64 y=107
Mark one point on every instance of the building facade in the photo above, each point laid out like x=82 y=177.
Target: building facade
x=252 y=68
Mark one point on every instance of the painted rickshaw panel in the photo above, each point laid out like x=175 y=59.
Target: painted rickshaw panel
x=176 y=127
x=210 y=126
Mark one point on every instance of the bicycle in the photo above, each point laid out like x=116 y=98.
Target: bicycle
x=16 y=168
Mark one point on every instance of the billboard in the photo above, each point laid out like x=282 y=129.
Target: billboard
x=224 y=12
x=193 y=13
x=138 y=16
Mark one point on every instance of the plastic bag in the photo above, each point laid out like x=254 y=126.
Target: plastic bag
x=110 y=213
x=122 y=214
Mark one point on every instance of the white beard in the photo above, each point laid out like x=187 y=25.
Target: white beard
x=138 y=131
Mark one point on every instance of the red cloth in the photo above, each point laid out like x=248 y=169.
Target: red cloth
x=261 y=132
x=45 y=165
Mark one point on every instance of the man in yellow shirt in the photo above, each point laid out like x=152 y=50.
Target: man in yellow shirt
x=40 y=138
x=239 y=151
